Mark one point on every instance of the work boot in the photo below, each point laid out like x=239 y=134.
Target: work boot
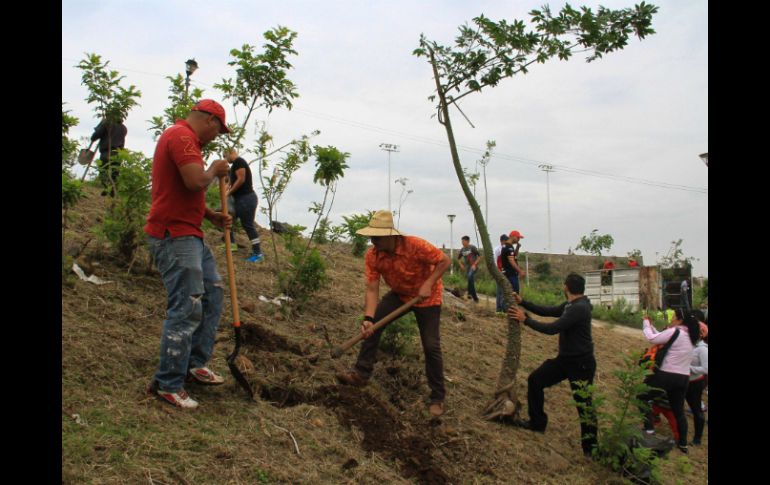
x=436 y=409
x=352 y=378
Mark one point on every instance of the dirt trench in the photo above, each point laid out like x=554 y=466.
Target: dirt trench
x=384 y=431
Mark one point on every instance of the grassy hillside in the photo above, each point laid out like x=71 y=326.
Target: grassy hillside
x=302 y=427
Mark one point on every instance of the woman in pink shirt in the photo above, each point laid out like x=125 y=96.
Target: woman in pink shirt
x=673 y=375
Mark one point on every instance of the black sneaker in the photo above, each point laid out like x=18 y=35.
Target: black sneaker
x=682 y=448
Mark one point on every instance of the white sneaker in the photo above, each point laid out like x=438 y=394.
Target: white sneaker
x=204 y=375
x=179 y=399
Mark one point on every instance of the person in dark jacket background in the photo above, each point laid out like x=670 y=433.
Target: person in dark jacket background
x=574 y=362
x=111 y=136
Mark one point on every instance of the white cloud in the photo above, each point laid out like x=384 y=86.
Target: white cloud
x=641 y=112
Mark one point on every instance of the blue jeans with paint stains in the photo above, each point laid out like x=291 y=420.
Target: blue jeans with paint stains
x=194 y=307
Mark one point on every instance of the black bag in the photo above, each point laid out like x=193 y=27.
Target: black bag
x=657 y=353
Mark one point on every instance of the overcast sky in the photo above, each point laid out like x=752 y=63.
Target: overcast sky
x=637 y=118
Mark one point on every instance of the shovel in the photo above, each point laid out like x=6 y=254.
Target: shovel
x=86 y=157
x=234 y=301
x=338 y=351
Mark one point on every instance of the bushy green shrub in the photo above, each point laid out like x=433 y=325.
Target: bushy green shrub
x=620 y=421
x=305 y=275
x=71 y=190
x=69 y=147
x=621 y=312
x=322 y=232
x=354 y=223
x=543 y=269
x=123 y=225
x=399 y=336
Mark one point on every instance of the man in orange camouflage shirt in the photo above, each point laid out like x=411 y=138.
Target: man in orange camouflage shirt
x=411 y=267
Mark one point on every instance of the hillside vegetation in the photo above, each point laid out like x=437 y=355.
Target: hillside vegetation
x=302 y=427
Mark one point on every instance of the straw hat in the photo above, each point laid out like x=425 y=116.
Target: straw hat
x=381 y=224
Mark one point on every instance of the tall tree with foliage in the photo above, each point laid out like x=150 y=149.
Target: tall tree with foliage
x=112 y=101
x=274 y=179
x=595 y=243
x=261 y=79
x=181 y=104
x=308 y=270
x=123 y=224
x=330 y=167
x=484 y=54
x=675 y=257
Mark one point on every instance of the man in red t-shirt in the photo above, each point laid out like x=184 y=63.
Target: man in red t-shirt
x=412 y=267
x=188 y=269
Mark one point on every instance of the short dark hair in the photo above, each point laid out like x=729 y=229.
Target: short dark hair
x=465 y=238
x=575 y=283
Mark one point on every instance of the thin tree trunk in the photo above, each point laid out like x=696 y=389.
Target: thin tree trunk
x=505 y=401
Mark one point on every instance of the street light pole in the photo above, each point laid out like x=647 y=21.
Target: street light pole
x=451 y=240
x=389 y=148
x=548 y=169
x=190 y=67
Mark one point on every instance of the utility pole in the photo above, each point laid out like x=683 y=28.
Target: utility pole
x=548 y=169
x=451 y=240
x=389 y=148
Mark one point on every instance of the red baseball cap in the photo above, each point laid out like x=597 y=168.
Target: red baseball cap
x=516 y=234
x=212 y=107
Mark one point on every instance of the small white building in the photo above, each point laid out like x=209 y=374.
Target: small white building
x=641 y=286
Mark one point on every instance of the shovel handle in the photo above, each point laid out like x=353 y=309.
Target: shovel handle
x=229 y=257
x=90 y=161
x=338 y=351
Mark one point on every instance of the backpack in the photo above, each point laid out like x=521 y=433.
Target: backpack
x=657 y=353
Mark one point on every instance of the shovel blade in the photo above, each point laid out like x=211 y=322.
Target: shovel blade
x=85 y=156
x=239 y=377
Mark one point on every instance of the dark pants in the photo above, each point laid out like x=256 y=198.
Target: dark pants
x=108 y=171
x=552 y=372
x=470 y=274
x=514 y=279
x=500 y=303
x=428 y=320
x=674 y=386
x=245 y=210
x=693 y=397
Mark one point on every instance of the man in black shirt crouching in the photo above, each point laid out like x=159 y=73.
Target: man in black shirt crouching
x=575 y=360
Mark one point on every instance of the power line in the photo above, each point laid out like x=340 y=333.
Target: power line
x=503 y=156
x=512 y=158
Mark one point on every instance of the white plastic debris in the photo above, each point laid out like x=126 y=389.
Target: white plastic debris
x=92 y=279
x=275 y=301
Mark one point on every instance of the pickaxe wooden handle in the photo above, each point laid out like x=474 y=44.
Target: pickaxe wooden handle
x=338 y=351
